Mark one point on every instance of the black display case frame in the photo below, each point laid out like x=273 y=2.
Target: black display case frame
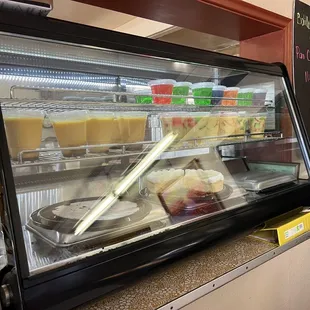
x=79 y=282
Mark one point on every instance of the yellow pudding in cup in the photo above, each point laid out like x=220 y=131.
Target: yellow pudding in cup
x=70 y=130
x=24 y=132
x=132 y=126
x=228 y=124
x=101 y=128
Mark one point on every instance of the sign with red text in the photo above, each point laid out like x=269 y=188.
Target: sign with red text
x=301 y=59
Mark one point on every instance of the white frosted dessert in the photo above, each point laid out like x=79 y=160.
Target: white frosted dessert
x=208 y=181
x=159 y=180
x=76 y=210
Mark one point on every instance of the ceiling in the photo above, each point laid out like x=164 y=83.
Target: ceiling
x=108 y=19
x=103 y=18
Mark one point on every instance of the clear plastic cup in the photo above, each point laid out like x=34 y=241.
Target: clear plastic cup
x=101 y=128
x=257 y=124
x=203 y=89
x=259 y=97
x=23 y=131
x=143 y=96
x=230 y=92
x=206 y=125
x=228 y=123
x=162 y=87
x=181 y=89
x=217 y=94
x=132 y=126
x=174 y=122
x=247 y=95
x=70 y=130
x=241 y=124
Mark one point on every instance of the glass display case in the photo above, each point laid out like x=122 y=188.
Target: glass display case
x=119 y=153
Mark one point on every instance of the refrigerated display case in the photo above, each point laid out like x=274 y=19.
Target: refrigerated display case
x=106 y=174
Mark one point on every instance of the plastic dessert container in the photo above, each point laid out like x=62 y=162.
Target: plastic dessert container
x=217 y=94
x=174 y=122
x=228 y=123
x=241 y=125
x=257 y=124
x=231 y=93
x=202 y=128
x=101 y=128
x=162 y=87
x=246 y=94
x=23 y=131
x=259 y=97
x=143 y=96
x=132 y=126
x=70 y=130
x=203 y=89
x=181 y=89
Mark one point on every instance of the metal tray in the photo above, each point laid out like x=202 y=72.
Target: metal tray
x=49 y=220
x=262 y=180
x=155 y=219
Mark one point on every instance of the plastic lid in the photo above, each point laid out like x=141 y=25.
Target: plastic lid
x=23 y=113
x=260 y=90
x=168 y=114
x=92 y=99
x=232 y=88
x=258 y=114
x=203 y=85
x=219 y=87
x=131 y=114
x=146 y=91
x=189 y=84
x=246 y=90
x=72 y=98
x=68 y=115
x=162 y=82
x=100 y=114
x=228 y=113
x=198 y=114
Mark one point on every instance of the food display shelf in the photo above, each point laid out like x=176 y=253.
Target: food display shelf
x=193 y=147
x=59 y=105
x=109 y=92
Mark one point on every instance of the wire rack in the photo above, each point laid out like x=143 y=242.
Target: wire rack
x=106 y=99
x=192 y=147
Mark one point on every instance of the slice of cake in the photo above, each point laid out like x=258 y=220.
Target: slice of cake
x=208 y=181
x=157 y=181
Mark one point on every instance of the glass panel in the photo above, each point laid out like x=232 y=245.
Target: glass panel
x=99 y=167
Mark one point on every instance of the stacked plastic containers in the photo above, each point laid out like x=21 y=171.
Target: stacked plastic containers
x=259 y=97
x=202 y=93
x=230 y=94
x=217 y=94
x=83 y=128
x=181 y=91
x=164 y=89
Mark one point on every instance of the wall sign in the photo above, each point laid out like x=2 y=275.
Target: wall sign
x=301 y=59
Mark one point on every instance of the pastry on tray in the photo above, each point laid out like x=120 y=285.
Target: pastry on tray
x=205 y=181
x=158 y=180
x=191 y=192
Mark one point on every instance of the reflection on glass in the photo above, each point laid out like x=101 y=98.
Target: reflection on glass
x=108 y=169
